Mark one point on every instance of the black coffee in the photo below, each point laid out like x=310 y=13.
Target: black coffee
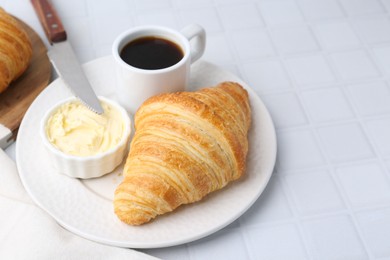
x=151 y=53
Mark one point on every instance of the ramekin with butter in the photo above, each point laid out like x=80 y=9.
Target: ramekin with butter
x=84 y=144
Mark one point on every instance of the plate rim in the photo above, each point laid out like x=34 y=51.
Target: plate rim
x=177 y=241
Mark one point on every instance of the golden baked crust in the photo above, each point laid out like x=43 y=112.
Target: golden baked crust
x=186 y=145
x=15 y=50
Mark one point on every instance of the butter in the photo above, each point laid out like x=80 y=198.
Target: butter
x=76 y=130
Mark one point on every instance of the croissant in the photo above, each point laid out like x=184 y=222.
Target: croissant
x=186 y=145
x=15 y=50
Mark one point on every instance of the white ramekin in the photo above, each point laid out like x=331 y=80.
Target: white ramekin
x=89 y=166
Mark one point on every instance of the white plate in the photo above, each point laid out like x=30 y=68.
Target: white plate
x=85 y=207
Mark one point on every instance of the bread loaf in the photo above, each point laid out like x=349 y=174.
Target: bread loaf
x=15 y=50
x=186 y=145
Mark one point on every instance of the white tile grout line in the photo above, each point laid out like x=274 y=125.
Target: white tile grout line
x=341 y=191
x=351 y=211
x=297 y=220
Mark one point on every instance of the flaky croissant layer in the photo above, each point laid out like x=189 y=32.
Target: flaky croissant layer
x=15 y=50
x=186 y=145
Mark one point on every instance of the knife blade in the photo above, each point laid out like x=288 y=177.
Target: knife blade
x=63 y=57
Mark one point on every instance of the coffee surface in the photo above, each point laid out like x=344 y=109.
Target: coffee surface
x=151 y=53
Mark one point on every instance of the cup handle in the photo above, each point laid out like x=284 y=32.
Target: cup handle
x=196 y=35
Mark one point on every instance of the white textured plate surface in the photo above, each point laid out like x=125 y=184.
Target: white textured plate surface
x=85 y=207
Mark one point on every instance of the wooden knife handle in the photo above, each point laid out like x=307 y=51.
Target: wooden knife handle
x=50 y=21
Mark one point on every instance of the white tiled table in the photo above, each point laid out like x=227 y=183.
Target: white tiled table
x=322 y=68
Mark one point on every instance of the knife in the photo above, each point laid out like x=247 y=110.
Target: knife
x=63 y=57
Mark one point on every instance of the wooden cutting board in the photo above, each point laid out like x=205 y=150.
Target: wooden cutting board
x=15 y=101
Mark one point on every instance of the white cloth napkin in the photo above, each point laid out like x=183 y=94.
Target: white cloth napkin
x=27 y=232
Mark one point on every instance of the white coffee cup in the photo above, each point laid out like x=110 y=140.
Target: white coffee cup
x=135 y=85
